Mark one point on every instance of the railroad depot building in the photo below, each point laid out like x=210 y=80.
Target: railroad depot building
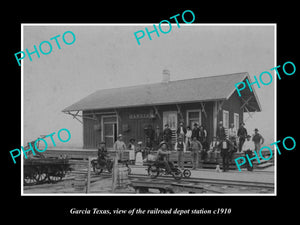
x=130 y=110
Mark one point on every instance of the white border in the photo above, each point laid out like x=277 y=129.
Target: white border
x=146 y=24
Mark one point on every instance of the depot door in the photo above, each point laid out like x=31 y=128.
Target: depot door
x=109 y=130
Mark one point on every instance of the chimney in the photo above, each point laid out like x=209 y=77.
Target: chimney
x=166 y=76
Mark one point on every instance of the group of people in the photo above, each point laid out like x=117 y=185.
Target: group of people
x=224 y=143
x=195 y=140
x=237 y=141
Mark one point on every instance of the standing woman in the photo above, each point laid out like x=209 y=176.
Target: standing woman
x=131 y=148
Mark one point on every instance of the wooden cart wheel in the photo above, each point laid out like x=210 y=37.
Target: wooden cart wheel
x=176 y=173
x=41 y=175
x=186 y=173
x=53 y=178
x=55 y=174
x=30 y=179
x=153 y=171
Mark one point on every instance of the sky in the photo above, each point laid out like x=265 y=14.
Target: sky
x=108 y=56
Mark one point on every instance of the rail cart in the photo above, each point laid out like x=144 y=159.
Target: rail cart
x=39 y=170
x=107 y=164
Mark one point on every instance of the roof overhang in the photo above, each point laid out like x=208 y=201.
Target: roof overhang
x=249 y=99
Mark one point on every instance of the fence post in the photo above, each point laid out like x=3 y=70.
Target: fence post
x=115 y=172
x=88 y=176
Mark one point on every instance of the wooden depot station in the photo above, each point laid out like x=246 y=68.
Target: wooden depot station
x=130 y=110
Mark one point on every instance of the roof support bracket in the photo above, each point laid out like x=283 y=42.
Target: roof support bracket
x=179 y=111
x=220 y=105
x=156 y=112
x=245 y=101
x=74 y=116
x=203 y=108
x=249 y=113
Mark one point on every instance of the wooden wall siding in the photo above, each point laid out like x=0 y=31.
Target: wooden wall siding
x=134 y=128
x=91 y=136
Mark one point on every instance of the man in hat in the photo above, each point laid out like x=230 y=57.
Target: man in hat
x=119 y=146
x=196 y=147
x=195 y=131
x=248 y=150
x=221 y=135
x=149 y=133
x=102 y=152
x=162 y=154
x=232 y=133
x=181 y=130
x=203 y=141
x=258 y=140
x=167 y=133
x=181 y=149
x=213 y=149
x=242 y=134
x=158 y=136
x=226 y=147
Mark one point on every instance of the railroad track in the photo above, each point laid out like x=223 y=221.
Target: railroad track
x=206 y=180
x=202 y=185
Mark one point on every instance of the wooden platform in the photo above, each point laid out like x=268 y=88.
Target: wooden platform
x=85 y=153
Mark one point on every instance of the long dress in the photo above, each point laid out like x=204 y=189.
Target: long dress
x=139 y=159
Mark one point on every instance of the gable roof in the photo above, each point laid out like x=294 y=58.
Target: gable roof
x=174 y=92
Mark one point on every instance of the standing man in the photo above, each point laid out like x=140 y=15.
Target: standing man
x=181 y=149
x=221 y=135
x=168 y=136
x=242 y=134
x=213 y=149
x=195 y=131
x=195 y=147
x=225 y=147
x=248 y=149
x=149 y=133
x=232 y=136
x=203 y=141
x=258 y=140
x=158 y=137
x=181 y=130
x=119 y=146
x=102 y=153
